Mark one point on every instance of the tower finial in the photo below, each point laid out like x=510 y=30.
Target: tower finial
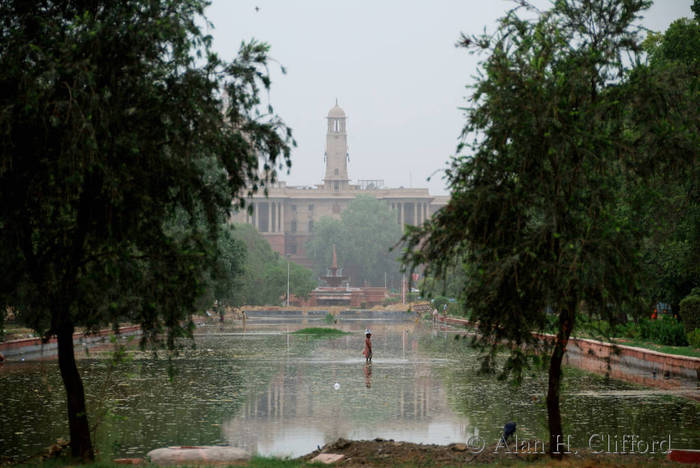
x=336 y=101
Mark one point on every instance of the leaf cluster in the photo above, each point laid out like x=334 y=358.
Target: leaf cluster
x=123 y=141
x=364 y=236
x=545 y=188
x=263 y=280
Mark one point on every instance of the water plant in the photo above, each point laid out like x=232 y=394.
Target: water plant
x=318 y=331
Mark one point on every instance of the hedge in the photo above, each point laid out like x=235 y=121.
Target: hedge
x=690 y=312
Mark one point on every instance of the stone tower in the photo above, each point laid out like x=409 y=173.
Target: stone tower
x=337 y=156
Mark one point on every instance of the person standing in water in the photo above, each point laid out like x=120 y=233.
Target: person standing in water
x=368 y=346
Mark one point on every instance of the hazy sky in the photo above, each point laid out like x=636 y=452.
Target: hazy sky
x=392 y=65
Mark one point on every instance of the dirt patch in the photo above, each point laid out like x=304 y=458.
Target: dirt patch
x=381 y=452
x=389 y=452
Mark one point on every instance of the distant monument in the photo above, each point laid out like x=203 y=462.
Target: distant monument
x=334 y=278
x=285 y=215
x=336 y=293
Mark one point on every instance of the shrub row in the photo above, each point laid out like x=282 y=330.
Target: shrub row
x=690 y=311
x=666 y=331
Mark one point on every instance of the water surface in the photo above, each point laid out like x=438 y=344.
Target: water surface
x=273 y=393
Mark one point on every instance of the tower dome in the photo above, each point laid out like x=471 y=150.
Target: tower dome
x=336 y=112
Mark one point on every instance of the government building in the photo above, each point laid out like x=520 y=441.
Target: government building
x=286 y=216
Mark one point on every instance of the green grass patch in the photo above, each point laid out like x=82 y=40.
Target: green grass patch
x=677 y=350
x=271 y=462
x=317 y=331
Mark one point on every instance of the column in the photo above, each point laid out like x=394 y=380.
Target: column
x=279 y=216
x=282 y=217
x=257 y=216
x=273 y=217
x=269 y=216
x=401 y=215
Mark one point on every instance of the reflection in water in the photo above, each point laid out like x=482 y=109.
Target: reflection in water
x=396 y=396
x=274 y=393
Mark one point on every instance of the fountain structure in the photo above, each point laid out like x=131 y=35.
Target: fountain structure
x=339 y=292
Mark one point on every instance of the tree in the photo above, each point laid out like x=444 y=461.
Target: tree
x=301 y=281
x=670 y=197
x=264 y=278
x=364 y=236
x=123 y=140
x=224 y=280
x=543 y=209
x=327 y=232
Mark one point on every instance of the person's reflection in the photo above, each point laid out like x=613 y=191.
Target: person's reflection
x=368 y=375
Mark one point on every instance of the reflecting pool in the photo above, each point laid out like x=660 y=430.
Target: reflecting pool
x=276 y=393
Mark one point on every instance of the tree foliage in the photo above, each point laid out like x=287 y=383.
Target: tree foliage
x=123 y=140
x=670 y=196
x=264 y=278
x=548 y=185
x=223 y=281
x=364 y=236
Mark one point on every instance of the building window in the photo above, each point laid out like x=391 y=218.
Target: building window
x=336 y=187
x=294 y=208
x=294 y=226
x=311 y=225
x=311 y=207
x=335 y=171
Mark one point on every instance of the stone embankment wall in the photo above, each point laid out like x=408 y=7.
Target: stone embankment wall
x=33 y=345
x=639 y=365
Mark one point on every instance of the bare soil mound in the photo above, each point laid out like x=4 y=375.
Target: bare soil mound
x=381 y=452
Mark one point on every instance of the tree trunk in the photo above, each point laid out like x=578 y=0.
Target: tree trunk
x=81 y=445
x=557 y=442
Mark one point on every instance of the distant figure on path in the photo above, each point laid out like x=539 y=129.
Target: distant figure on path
x=435 y=316
x=368 y=346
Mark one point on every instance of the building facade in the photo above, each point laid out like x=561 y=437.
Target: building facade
x=287 y=215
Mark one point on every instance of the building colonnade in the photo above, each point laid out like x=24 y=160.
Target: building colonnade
x=267 y=216
x=413 y=213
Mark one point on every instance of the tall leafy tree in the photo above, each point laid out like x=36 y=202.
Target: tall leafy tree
x=224 y=279
x=542 y=207
x=326 y=233
x=264 y=277
x=364 y=236
x=668 y=118
x=120 y=131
